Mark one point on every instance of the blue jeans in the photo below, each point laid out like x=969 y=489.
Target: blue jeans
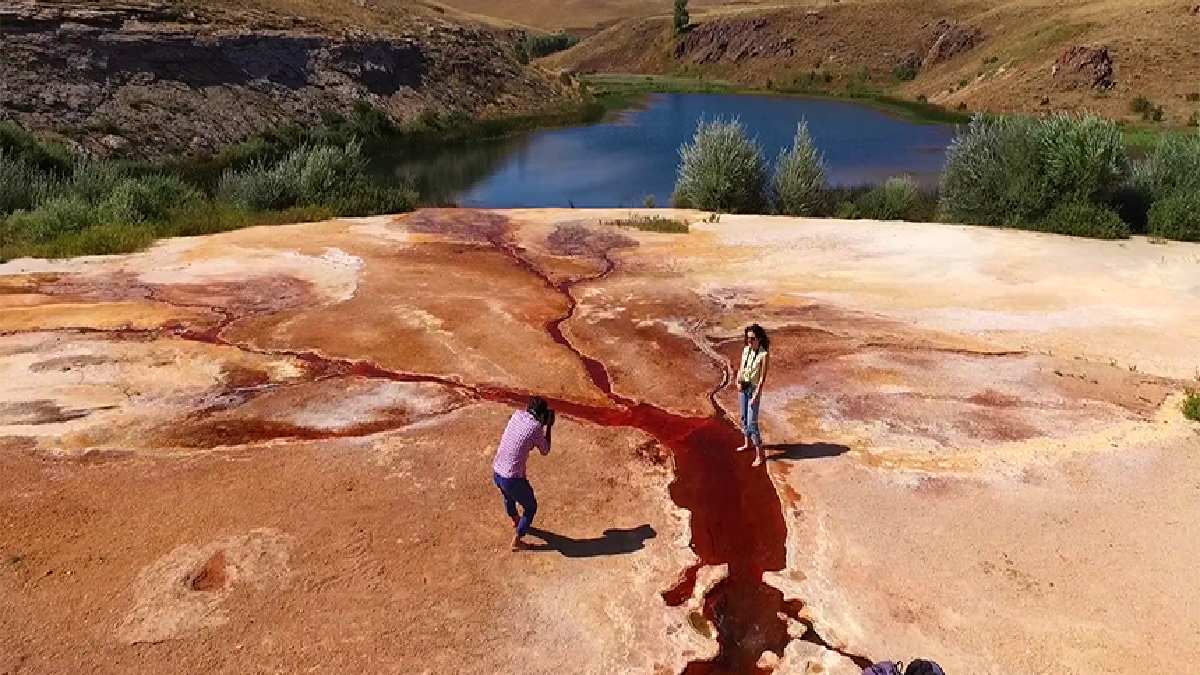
x=517 y=491
x=749 y=409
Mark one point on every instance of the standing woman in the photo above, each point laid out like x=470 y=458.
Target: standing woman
x=752 y=374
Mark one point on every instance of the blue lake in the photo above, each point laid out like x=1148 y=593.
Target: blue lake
x=621 y=161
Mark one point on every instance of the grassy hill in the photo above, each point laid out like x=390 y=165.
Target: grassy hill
x=582 y=16
x=958 y=53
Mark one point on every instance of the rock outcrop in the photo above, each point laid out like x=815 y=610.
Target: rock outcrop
x=153 y=80
x=735 y=40
x=941 y=41
x=1082 y=67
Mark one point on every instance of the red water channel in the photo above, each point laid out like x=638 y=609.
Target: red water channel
x=735 y=514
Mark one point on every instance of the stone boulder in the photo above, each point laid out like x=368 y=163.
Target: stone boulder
x=1082 y=67
x=951 y=38
x=940 y=41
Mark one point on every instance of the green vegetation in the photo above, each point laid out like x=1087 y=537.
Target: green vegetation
x=314 y=175
x=680 y=17
x=535 y=46
x=1176 y=216
x=1020 y=171
x=722 y=169
x=1173 y=165
x=898 y=198
x=651 y=224
x=53 y=204
x=1191 y=406
x=1167 y=182
x=51 y=207
x=799 y=177
x=1081 y=218
x=1146 y=108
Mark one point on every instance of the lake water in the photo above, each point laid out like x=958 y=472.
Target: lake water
x=619 y=162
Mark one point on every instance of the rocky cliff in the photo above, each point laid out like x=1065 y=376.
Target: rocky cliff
x=155 y=79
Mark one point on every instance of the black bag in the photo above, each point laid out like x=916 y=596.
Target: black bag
x=923 y=667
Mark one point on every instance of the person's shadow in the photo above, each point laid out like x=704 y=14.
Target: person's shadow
x=614 y=541
x=795 y=451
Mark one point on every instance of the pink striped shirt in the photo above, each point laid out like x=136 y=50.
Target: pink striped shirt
x=521 y=436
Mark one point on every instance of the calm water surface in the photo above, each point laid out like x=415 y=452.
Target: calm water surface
x=622 y=161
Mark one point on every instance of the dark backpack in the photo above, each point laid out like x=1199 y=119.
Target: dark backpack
x=923 y=667
x=883 y=668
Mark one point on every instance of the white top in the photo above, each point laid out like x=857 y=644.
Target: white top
x=752 y=365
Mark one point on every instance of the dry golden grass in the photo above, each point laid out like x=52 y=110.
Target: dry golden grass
x=1153 y=43
x=383 y=14
x=585 y=14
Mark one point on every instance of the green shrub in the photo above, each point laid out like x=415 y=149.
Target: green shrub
x=22 y=186
x=1080 y=218
x=367 y=199
x=104 y=239
x=259 y=187
x=799 y=176
x=651 y=223
x=57 y=217
x=1012 y=171
x=1176 y=216
x=992 y=174
x=1191 y=406
x=897 y=199
x=96 y=180
x=846 y=210
x=148 y=199
x=1146 y=108
x=23 y=146
x=722 y=169
x=1173 y=165
x=537 y=46
x=330 y=176
x=680 y=200
x=905 y=73
x=325 y=174
x=1082 y=157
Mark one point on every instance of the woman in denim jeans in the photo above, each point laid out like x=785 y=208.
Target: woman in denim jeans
x=751 y=375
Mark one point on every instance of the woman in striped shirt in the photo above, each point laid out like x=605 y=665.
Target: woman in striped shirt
x=752 y=374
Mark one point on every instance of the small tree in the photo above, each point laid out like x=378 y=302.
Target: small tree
x=682 y=19
x=799 y=176
x=722 y=169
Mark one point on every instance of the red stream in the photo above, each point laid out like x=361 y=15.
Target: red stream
x=735 y=513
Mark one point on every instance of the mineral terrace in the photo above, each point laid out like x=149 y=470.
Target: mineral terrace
x=270 y=450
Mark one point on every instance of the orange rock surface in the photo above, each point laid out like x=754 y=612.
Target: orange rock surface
x=270 y=449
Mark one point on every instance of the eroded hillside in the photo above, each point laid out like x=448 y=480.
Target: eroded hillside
x=156 y=79
x=1022 y=55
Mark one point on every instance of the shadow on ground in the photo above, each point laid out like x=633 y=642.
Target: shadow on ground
x=613 y=541
x=786 y=451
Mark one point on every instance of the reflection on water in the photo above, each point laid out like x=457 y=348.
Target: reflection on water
x=440 y=176
x=620 y=162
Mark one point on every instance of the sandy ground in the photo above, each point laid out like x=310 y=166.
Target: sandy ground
x=269 y=449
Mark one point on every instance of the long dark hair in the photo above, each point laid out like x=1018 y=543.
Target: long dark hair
x=763 y=340
x=539 y=409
